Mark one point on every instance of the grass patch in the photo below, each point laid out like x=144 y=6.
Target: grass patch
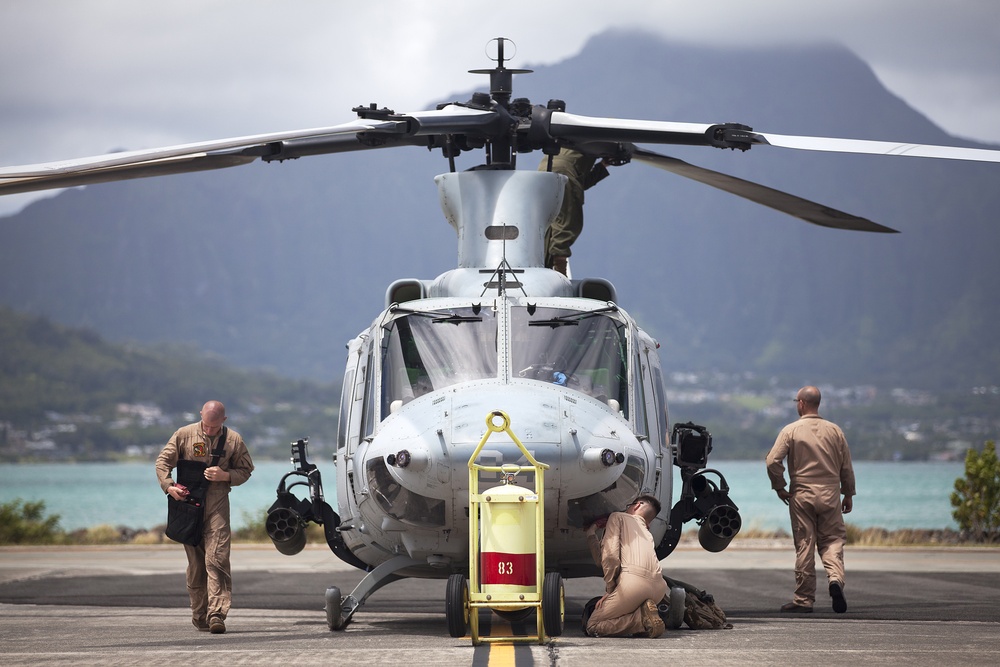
x=865 y=537
x=27 y=523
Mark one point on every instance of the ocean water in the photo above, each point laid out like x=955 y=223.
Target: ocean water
x=890 y=495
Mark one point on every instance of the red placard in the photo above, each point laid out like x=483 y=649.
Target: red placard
x=503 y=568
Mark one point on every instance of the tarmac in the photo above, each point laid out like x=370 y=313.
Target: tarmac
x=127 y=605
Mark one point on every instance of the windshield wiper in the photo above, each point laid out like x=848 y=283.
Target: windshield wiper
x=441 y=316
x=572 y=320
x=456 y=319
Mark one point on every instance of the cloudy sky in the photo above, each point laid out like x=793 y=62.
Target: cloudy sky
x=82 y=77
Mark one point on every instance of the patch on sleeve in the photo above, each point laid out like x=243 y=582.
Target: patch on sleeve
x=199 y=449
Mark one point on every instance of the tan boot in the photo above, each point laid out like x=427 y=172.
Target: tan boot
x=216 y=625
x=559 y=264
x=651 y=621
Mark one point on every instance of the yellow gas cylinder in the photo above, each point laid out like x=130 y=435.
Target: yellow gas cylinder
x=508 y=541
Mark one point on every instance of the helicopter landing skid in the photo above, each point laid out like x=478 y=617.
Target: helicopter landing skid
x=339 y=609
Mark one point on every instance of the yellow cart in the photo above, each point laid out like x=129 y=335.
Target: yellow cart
x=506 y=550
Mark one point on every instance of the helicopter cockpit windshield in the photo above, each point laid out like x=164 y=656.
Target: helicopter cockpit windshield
x=582 y=350
x=425 y=351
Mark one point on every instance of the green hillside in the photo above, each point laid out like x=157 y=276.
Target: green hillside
x=69 y=394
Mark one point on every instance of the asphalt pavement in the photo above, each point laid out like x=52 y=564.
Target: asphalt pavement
x=127 y=605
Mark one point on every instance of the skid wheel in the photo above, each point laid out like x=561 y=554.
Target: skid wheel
x=334 y=613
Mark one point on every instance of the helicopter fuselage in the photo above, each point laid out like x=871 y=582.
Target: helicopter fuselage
x=579 y=379
x=418 y=389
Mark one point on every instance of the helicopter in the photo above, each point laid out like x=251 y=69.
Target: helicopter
x=579 y=378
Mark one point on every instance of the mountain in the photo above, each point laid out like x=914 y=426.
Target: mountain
x=277 y=266
x=67 y=393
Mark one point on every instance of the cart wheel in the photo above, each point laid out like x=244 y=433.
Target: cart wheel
x=553 y=604
x=456 y=605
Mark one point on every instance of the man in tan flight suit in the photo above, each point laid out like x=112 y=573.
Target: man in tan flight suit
x=582 y=173
x=633 y=579
x=820 y=471
x=209 y=574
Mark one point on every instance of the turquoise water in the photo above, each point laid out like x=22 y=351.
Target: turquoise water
x=890 y=495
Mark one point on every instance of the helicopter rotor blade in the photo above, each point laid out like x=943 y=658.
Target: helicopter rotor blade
x=798 y=207
x=582 y=129
x=867 y=147
x=70 y=179
x=376 y=129
x=455 y=119
x=182 y=158
x=424 y=129
x=139 y=157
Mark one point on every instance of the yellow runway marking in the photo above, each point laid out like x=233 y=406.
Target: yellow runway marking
x=501 y=653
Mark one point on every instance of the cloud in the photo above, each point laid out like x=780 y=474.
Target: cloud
x=81 y=77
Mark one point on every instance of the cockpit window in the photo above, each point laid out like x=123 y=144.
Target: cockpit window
x=585 y=351
x=425 y=351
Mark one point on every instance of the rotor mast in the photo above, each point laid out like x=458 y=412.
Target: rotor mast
x=501 y=151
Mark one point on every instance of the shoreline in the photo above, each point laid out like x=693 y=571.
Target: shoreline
x=21 y=562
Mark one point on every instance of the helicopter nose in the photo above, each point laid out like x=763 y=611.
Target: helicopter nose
x=437 y=433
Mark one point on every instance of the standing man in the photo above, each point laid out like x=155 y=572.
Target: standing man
x=820 y=471
x=209 y=574
x=633 y=579
x=582 y=173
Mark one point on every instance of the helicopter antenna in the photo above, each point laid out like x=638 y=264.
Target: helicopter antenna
x=500 y=150
x=501 y=78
